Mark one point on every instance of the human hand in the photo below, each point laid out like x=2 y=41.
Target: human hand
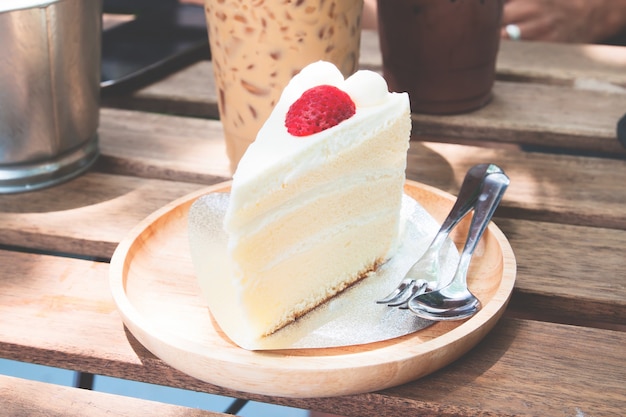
x=581 y=21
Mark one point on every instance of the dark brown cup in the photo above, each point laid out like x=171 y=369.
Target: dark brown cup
x=442 y=52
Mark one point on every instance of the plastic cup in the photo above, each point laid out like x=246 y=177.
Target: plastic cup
x=257 y=46
x=442 y=52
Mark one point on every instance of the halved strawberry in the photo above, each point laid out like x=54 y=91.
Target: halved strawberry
x=318 y=109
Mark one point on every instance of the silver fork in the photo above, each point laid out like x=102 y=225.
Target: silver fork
x=423 y=275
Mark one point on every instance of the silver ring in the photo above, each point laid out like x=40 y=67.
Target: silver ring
x=513 y=32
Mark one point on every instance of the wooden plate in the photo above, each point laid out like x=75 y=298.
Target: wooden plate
x=154 y=286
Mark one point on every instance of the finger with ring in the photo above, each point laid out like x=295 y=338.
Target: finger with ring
x=513 y=31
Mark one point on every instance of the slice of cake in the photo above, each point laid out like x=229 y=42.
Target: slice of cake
x=315 y=201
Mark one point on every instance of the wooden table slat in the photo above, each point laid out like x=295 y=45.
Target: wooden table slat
x=584 y=66
x=532 y=114
x=24 y=398
x=87 y=216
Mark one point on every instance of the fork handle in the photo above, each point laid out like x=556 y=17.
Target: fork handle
x=470 y=189
x=493 y=189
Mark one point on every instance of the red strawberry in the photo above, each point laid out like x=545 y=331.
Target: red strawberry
x=319 y=108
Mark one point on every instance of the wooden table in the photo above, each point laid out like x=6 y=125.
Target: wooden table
x=560 y=349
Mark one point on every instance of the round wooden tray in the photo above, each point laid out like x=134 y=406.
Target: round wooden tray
x=154 y=286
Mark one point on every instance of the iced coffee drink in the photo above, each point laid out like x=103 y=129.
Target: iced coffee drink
x=257 y=46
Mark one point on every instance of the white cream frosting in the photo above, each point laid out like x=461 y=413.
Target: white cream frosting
x=280 y=155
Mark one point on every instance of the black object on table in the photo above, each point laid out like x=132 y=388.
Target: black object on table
x=163 y=37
